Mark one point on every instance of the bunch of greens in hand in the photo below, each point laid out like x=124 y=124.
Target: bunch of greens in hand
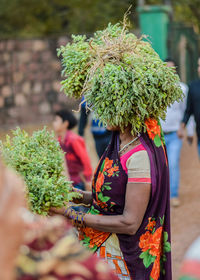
x=39 y=159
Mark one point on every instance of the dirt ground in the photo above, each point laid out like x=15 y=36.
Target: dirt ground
x=185 y=220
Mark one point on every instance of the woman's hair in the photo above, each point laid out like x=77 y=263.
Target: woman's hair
x=66 y=115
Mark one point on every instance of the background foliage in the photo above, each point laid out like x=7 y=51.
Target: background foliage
x=35 y=18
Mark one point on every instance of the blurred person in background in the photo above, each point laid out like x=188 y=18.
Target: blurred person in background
x=77 y=158
x=34 y=247
x=12 y=227
x=101 y=135
x=173 y=143
x=192 y=108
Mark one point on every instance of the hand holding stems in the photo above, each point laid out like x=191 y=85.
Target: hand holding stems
x=77 y=218
x=86 y=197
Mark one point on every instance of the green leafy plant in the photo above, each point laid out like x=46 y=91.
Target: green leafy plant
x=122 y=78
x=39 y=159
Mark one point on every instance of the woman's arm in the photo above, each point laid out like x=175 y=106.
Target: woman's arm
x=137 y=199
x=87 y=197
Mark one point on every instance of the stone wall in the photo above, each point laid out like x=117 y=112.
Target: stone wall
x=30 y=80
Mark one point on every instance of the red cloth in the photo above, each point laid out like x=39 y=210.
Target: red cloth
x=76 y=157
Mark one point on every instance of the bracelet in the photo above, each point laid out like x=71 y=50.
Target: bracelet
x=77 y=190
x=77 y=218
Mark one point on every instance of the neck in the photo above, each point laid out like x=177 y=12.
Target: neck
x=126 y=136
x=62 y=134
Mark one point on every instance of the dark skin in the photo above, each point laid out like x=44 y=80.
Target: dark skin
x=136 y=202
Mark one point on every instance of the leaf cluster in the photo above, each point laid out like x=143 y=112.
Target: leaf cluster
x=39 y=159
x=123 y=79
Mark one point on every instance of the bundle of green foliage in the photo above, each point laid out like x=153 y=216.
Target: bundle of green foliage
x=39 y=159
x=122 y=78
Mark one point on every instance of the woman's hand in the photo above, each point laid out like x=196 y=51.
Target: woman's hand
x=75 y=217
x=57 y=211
x=85 y=197
x=79 y=199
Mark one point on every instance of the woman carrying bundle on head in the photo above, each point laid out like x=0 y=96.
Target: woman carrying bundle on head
x=129 y=88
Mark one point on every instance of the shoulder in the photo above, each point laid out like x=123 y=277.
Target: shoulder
x=138 y=167
x=138 y=160
x=72 y=136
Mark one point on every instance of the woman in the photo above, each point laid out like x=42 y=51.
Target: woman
x=128 y=223
x=129 y=88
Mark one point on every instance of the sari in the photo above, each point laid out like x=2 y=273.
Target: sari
x=147 y=253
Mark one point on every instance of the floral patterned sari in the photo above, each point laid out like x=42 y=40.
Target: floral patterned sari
x=145 y=255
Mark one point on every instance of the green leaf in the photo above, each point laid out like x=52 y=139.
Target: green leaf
x=148 y=259
x=164 y=258
x=105 y=198
x=108 y=188
x=162 y=220
x=165 y=236
x=157 y=141
x=102 y=166
x=167 y=247
x=100 y=196
x=93 y=211
x=86 y=239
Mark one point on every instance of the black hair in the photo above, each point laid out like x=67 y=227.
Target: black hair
x=66 y=115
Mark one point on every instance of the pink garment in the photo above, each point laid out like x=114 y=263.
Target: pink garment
x=126 y=156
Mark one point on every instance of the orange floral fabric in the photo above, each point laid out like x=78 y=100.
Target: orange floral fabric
x=151 y=244
x=112 y=170
x=90 y=237
x=99 y=182
x=153 y=128
x=96 y=237
x=108 y=164
x=155 y=273
x=151 y=224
